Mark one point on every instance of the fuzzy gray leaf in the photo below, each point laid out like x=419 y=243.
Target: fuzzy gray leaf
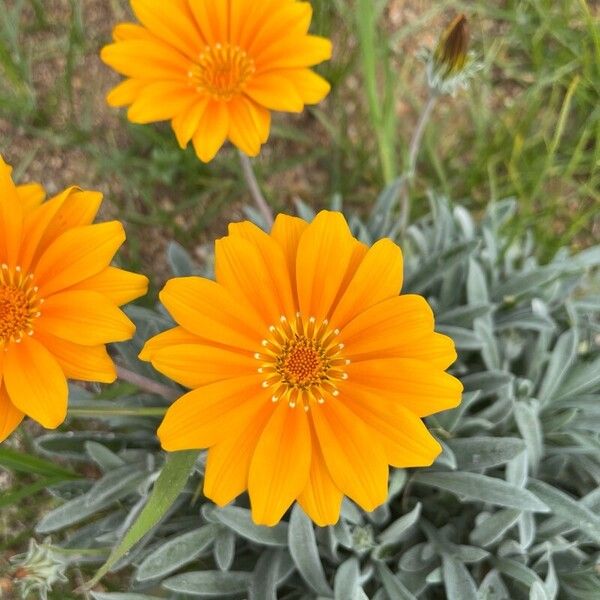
x=209 y=584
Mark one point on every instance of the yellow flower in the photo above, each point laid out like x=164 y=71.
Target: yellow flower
x=59 y=299
x=216 y=68
x=310 y=373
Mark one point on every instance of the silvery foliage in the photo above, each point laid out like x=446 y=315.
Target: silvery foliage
x=509 y=511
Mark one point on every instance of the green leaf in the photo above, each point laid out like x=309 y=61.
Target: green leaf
x=394 y=588
x=12 y=497
x=457 y=580
x=345 y=583
x=239 y=520
x=530 y=428
x=120 y=596
x=583 y=378
x=26 y=463
x=304 y=551
x=179 y=260
x=482 y=452
x=265 y=576
x=561 y=359
x=491 y=529
x=224 y=550
x=209 y=584
x=176 y=553
x=487 y=381
x=565 y=507
x=168 y=486
x=395 y=532
x=483 y=488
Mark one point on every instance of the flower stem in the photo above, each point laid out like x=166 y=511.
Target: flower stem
x=254 y=189
x=147 y=385
x=413 y=153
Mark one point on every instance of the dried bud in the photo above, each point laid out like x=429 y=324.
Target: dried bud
x=451 y=65
x=451 y=51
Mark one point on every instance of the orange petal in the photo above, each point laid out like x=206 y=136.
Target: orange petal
x=243 y=132
x=325 y=253
x=212 y=131
x=262 y=120
x=161 y=101
x=77 y=255
x=293 y=52
x=212 y=20
x=311 y=87
x=208 y=310
x=406 y=440
x=85 y=363
x=205 y=416
x=286 y=232
x=251 y=265
x=186 y=123
x=126 y=92
x=293 y=18
x=321 y=499
x=131 y=31
x=11 y=218
x=194 y=365
x=248 y=18
x=172 y=337
x=35 y=383
x=378 y=277
x=84 y=317
x=146 y=59
x=117 y=285
x=418 y=386
x=280 y=464
x=393 y=323
x=274 y=92
x=355 y=458
x=435 y=349
x=170 y=22
x=31 y=195
x=228 y=462
x=10 y=415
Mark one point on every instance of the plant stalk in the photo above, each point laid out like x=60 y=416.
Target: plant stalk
x=147 y=385
x=254 y=189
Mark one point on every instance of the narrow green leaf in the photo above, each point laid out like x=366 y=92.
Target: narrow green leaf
x=265 y=576
x=561 y=360
x=239 y=520
x=34 y=465
x=483 y=488
x=120 y=596
x=12 y=497
x=483 y=452
x=457 y=580
x=493 y=528
x=395 y=532
x=304 y=551
x=345 y=583
x=394 y=588
x=167 y=488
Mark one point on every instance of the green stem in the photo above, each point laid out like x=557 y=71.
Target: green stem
x=94 y=411
x=254 y=188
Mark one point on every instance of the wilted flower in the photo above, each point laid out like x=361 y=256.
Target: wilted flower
x=310 y=373
x=59 y=299
x=451 y=65
x=38 y=570
x=216 y=69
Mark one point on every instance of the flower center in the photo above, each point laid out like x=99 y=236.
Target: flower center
x=221 y=71
x=302 y=361
x=19 y=304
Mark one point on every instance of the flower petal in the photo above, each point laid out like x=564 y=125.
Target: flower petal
x=286 y=232
x=170 y=22
x=311 y=87
x=355 y=459
x=378 y=277
x=119 y=286
x=292 y=52
x=325 y=255
x=35 y=383
x=205 y=416
x=406 y=440
x=186 y=123
x=11 y=217
x=126 y=92
x=212 y=131
x=248 y=257
x=195 y=365
x=228 y=462
x=10 y=415
x=172 y=337
x=274 y=92
x=321 y=499
x=280 y=465
x=243 y=132
x=77 y=255
x=31 y=195
x=208 y=310
x=161 y=101
x=84 y=317
x=391 y=324
x=417 y=385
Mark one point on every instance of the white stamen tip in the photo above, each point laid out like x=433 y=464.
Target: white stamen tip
x=265 y=384
x=321 y=400
x=335 y=393
x=257 y=355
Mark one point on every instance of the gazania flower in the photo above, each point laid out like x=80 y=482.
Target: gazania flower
x=59 y=299
x=310 y=373
x=216 y=68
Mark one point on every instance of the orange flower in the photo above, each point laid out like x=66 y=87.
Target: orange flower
x=58 y=299
x=215 y=68
x=310 y=373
